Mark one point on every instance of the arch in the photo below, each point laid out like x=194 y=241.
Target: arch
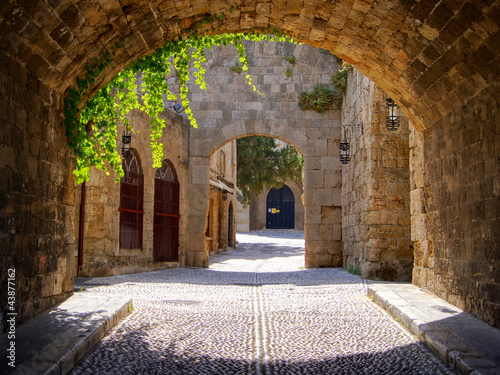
x=438 y=60
x=166 y=214
x=414 y=52
x=280 y=209
x=131 y=202
x=167 y=172
x=207 y=145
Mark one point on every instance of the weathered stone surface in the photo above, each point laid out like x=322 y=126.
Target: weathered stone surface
x=376 y=187
x=456 y=225
x=102 y=255
x=393 y=43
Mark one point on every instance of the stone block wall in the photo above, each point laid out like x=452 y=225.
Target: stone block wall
x=242 y=218
x=376 y=191
x=230 y=109
x=102 y=255
x=455 y=191
x=36 y=194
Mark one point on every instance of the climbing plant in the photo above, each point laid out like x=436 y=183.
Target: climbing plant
x=339 y=80
x=319 y=99
x=92 y=131
x=261 y=165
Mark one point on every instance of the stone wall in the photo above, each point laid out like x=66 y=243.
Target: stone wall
x=230 y=109
x=376 y=199
x=36 y=194
x=102 y=255
x=455 y=191
x=433 y=57
x=242 y=218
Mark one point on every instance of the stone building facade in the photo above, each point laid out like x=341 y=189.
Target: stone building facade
x=101 y=251
x=221 y=220
x=438 y=60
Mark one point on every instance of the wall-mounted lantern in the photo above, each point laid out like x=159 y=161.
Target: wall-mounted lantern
x=392 y=121
x=126 y=141
x=344 y=150
x=344 y=144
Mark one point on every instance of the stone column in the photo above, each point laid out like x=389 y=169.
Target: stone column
x=322 y=205
x=198 y=199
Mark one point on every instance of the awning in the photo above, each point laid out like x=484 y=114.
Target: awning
x=221 y=185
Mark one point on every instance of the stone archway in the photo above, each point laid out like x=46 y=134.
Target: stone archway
x=317 y=192
x=438 y=60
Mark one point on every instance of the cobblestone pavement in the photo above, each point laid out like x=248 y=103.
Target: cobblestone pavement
x=256 y=310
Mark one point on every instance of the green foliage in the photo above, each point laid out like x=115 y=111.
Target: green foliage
x=236 y=67
x=353 y=270
x=93 y=130
x=261 y=165
x=320 y=99
x=290 y=59
x=288 y=72
x=339 y=80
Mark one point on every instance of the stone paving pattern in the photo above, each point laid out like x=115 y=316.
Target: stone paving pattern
x=256 y=310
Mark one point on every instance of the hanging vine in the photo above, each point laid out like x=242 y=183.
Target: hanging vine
x=92 y=131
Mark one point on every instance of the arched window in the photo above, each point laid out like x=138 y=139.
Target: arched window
x=166 y=215
x=131 y=203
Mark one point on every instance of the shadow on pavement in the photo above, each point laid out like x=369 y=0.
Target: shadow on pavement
x=114 y=356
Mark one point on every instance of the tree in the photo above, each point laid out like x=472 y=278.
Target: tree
x=261 y=165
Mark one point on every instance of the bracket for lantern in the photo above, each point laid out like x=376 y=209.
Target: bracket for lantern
x=344 y=144
x=126 y=143
x=392 y=121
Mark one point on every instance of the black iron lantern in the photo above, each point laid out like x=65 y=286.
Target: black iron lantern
x=392 y=121
x=344 y=150
x=126 y=141
x=344 y=144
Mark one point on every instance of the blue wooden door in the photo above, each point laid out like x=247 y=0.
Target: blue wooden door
x=280 y=209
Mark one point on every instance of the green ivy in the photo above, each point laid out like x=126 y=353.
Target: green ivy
x=339 y=80
x=93 y=130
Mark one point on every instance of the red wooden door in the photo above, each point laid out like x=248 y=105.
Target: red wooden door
x=131 y=203
x=166 y=216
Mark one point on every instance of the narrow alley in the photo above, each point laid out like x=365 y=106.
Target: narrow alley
x=255 y=310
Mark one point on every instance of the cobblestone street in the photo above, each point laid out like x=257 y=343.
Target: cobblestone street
x=256 y=310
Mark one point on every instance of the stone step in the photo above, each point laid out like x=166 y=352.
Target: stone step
x=467 y=344
x=57 y=339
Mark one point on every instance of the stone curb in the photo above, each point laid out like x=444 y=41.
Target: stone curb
x=61 y=355
x=459 y=353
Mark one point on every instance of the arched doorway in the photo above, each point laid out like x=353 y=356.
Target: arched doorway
x=280 y=209
x=166 y=215
x=131 y=203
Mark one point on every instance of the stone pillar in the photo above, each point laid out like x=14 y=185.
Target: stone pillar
x=322 y=202
x=198 y=199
